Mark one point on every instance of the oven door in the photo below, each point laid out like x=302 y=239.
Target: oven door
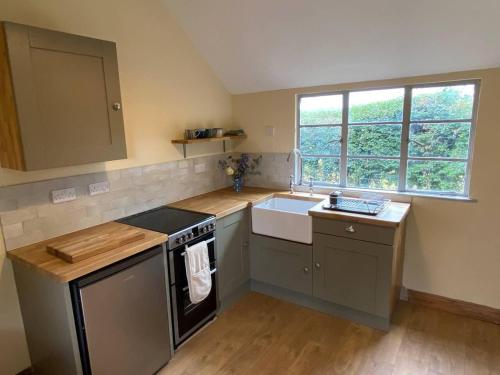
x=187 y=316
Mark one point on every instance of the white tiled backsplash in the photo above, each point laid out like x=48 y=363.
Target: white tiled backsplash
x=275 y=172
x=28 y=215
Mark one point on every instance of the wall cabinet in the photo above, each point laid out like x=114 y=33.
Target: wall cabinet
x=281 y=263
x=60 y=100
x=232 y=252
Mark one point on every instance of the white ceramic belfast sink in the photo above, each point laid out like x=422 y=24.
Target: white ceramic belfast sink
x=284 y=218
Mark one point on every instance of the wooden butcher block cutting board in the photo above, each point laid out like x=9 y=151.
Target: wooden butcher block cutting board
x=86 y=245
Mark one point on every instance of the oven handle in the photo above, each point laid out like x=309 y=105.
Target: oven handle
x=207 y=241
x=211 y=273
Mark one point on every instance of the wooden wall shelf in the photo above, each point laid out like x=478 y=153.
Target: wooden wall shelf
x=185 y=142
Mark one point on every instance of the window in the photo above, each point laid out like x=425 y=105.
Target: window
x=414 y=138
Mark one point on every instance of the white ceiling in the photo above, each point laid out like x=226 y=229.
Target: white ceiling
x=258 y=45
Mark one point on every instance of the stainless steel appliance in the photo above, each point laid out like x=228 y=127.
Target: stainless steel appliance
x=184 y=228
x=356 y=205
x=122 y=316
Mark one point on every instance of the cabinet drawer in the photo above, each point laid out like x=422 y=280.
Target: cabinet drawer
x=357 y=231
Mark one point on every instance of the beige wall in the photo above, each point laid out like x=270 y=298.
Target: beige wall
x=14 y=351
x=166 y=85
x=453 y=248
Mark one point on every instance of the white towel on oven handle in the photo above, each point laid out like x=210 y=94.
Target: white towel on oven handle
x=198 y=271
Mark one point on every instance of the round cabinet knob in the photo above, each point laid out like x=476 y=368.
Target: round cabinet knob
x=116 y=106
x=306 y=269
x=317 y=265
x=350 y=229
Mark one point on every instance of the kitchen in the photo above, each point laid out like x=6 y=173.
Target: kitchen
x=450 y=246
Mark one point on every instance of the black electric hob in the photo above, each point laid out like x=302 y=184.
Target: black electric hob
x=165 y=219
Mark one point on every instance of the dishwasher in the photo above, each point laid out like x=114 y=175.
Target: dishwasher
x=122 y=316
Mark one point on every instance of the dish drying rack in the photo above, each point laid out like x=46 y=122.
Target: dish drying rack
x=359 y=206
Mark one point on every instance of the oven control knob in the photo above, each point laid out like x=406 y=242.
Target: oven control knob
x=189 y=236
x=204 y=229
x=181 y=239
x=212 y=226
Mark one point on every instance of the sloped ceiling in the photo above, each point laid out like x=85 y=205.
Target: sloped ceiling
x=258 y=45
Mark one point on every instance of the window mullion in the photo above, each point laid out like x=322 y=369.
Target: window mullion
x=343 y=146
x=472 y=137
x=405 y=136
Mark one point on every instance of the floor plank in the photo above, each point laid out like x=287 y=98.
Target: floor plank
x=263 y=335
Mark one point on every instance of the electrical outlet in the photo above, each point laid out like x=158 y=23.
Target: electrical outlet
x=99 y=188
x=63 y=195
x=200 y=168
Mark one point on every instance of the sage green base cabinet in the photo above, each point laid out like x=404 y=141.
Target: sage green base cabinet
x=281 y=263
x=232 y=256
x=352 y=273
x=358 y=265
x=352 y=270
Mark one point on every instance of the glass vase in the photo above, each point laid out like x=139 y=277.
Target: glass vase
x=237 y=184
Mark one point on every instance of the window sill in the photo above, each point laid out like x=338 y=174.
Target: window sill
x=393 y=195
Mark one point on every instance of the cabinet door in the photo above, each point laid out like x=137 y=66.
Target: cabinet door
x=232 y=252
x=352 y=273
x=281 y=263
x=67 y=97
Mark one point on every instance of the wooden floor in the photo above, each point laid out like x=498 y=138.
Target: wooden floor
x=263 y=335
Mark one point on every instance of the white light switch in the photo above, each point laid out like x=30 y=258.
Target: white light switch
x=99 y=188
x=63 y=195
x=269 y=131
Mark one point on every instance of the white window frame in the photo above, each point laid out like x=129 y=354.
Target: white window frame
x=405 y=134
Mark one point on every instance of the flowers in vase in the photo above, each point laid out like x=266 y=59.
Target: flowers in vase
x=239 y=167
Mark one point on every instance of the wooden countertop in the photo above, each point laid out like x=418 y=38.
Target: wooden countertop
x=219 y=203
x=37 y=257
x=226 y=201
x=392 y=216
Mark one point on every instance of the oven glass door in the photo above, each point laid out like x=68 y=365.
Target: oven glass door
x=191 y=316
x=188 y=317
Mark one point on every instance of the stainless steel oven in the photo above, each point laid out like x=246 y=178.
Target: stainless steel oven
x=189 y=317
x=183 y=228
